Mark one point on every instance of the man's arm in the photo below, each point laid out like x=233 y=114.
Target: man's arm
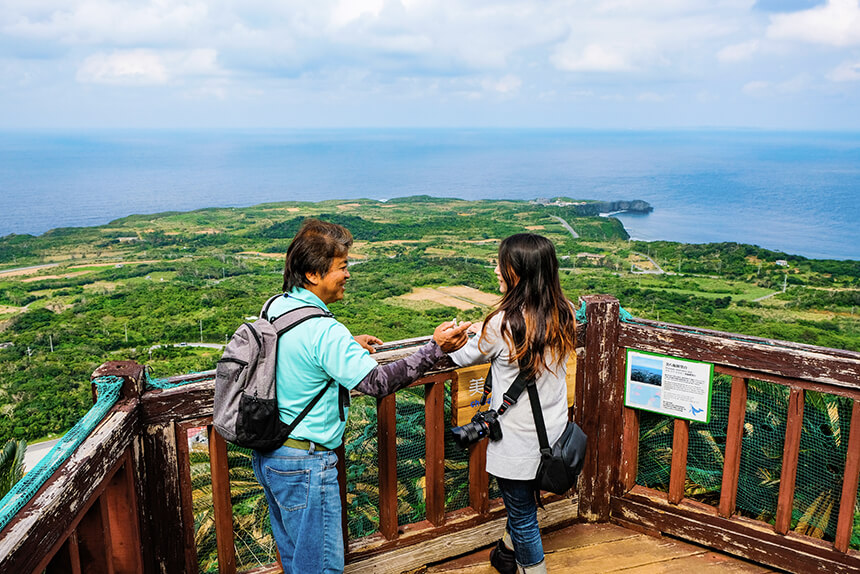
x=386 y=379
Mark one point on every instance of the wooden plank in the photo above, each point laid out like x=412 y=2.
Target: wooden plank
x=745 y=538
x=433 y=548
x=121 y=505
x=851 y=393
x=386 y=408
x=40 y=528
x=223 y=507
x=94 y=540
x=849 y=485
x=68 y=559
x=791 y=451
x=479 y=480
x=678 y=474
x=434 y=444
x=183 y=461
x=830 y=366
x=630 y=449
x=191 y=401
x=602 y=387
x=734 y=440
x=161 y=505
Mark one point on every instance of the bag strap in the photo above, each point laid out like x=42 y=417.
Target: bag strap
x=510 y=398
x=537 y=412
x=294 y=317
x=292 y=426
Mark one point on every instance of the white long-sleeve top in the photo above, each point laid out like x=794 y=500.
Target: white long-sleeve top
x=517 y=454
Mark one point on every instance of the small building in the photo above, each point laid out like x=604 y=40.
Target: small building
x=781 y=262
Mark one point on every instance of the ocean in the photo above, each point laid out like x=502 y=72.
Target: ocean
x=797 y=192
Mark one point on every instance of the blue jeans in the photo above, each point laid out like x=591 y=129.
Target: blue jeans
x=519 y=497
x=304 y=507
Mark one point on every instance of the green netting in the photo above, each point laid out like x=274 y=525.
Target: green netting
x=821 y=462
x=362 y=470
x=456 y=464
x=108 y=388
x=411 y=459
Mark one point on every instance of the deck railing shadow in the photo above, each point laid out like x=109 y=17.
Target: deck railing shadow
x=136 y=496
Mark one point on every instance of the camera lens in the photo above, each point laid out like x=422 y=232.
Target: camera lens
x=469 y=433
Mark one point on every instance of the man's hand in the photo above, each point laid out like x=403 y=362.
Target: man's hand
x=367 y=340
x=450 y=336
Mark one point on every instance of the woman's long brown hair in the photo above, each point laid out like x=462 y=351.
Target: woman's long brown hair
x=539 y=323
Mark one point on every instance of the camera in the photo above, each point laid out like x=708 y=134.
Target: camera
x=484 y=423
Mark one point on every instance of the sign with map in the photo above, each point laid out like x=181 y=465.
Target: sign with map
x=679 y=388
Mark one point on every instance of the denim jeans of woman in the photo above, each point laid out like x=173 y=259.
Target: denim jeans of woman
x=519 y=497
x=304 y=507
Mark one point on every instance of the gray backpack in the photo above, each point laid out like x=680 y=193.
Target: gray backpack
x=245 y=411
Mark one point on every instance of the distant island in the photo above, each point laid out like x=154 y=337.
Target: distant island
x=167 y=289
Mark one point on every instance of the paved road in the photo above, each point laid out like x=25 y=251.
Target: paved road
x=657 y=269
x=566 y=226
x=35 y=452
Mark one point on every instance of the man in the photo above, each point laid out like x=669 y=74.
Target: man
x=300 y=477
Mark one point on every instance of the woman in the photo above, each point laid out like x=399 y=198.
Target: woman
x=532 y=330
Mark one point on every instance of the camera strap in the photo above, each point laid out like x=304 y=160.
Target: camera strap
x=510 y=398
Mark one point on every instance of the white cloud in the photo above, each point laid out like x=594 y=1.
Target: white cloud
x=738 y=52
x=835 y=24
x=146 y=67
x=594 y=58
x=505 y=85
x=756 y=88
x=845 y=72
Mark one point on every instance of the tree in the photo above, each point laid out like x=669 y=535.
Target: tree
x=11 y=465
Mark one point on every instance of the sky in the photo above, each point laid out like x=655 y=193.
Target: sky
x=596 y=64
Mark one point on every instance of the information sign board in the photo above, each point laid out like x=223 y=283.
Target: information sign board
x=668 y=385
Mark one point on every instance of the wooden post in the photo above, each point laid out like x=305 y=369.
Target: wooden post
x=121 y=505
x=434 y=443
x=386 y=408
x=223 y=507
x=479 y=480
x=678 y=473
x=734 y=440
x=602 y=408
x=849 y=485
x=791 y=451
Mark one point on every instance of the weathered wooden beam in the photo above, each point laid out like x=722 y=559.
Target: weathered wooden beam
x=791 y=451
x=386 y=421
x=742 y=537
x=603 y=407
x=830 y=366
x=191 y=401
x=40 y=528
x=848 y=501
x=678 y=472
x=734 y=441
x=94 y=540
x=848 y=392
x=183 y=456
x=161 y=504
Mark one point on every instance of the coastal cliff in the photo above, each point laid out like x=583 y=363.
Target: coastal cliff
x=591 y=208
x=598 y=207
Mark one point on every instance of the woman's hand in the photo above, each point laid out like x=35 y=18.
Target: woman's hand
x=367 y=340
x=450 y=336
x=476 y=327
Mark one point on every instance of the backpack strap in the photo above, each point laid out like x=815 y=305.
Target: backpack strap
x=264 y=313
x=292 y=426
x=537 y=413
x=293 y=317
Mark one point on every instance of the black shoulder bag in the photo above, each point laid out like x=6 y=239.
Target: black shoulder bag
x=560 y=464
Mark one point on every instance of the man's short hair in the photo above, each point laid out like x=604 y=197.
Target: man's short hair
x=313 y=249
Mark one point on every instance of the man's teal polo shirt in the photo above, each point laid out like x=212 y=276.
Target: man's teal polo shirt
x=309 y=355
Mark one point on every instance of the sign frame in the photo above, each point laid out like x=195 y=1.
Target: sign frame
x=679 y=364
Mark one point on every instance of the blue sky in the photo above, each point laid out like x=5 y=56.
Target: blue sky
x=620 y=64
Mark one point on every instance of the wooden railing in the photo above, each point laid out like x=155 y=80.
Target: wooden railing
x=611 y=490
x=123 y=501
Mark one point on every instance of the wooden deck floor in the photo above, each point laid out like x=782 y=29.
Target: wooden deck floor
x=602 y=548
